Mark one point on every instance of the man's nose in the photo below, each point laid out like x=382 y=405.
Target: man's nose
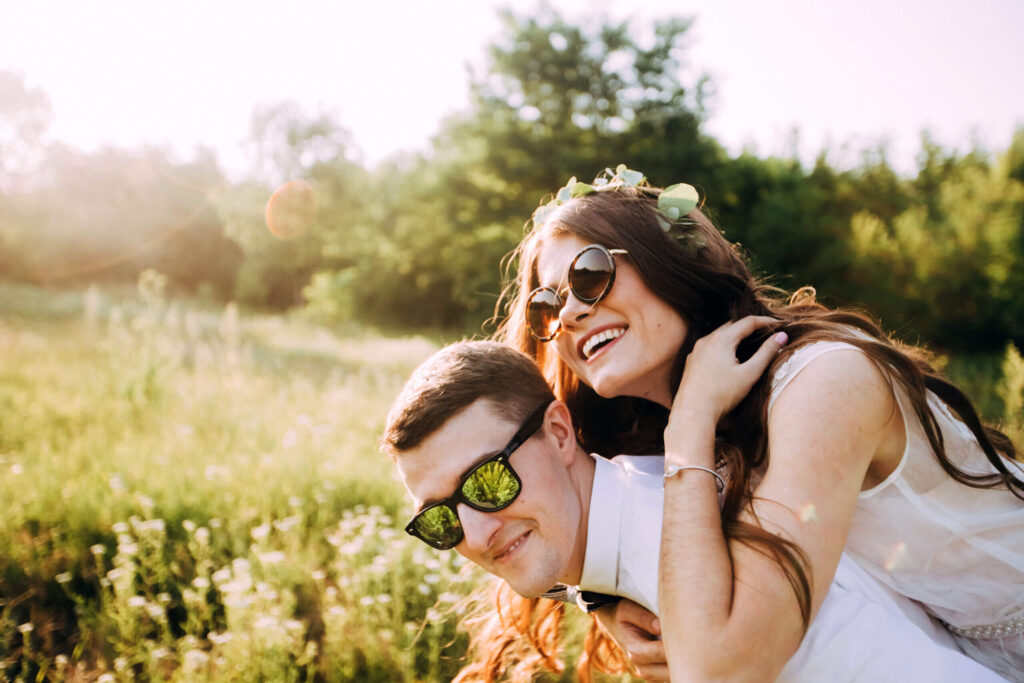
x=478 y=527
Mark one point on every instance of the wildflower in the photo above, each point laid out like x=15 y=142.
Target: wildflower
x=16 y=469
x=221 y=638
x=216 y=523
x=128 y=548
x=201 y=582
x=136 y=601
x=155 y=611
x=383 y=598
x=189 y=525
x=366 y=600
x=432 y=578
x=63 y=577
x=163 y=598
x=287 y=524
x=203 y=535
x=260 y=532
x=319 y=575
x=107 y=678
x=116 y=483
x=273 y=557
x=221 y=576
x=195 y=659
x=267 y=621
x=295 y=502
x=61 y=661
x=26 y=628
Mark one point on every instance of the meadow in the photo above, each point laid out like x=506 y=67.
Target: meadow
x=193 y=493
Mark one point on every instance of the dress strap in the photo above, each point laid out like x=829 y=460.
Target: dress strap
x=1010 y=627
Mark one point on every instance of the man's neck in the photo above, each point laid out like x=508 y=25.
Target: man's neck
x=581 y=472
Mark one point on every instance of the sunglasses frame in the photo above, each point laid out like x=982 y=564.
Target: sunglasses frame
x=610 y=253
x=527 y=430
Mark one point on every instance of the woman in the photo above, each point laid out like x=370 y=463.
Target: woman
x=849 y=439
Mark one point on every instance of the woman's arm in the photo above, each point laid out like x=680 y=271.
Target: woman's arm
x=728 y=610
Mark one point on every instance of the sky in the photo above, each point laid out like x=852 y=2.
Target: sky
x=846 y=75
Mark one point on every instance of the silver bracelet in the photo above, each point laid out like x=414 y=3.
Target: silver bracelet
x=673 y=470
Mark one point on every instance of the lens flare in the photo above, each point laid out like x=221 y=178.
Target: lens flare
x=291 y=210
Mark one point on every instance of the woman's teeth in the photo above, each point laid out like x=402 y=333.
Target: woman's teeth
x=600 y=338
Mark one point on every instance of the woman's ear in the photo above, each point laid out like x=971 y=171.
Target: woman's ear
x=558 y=423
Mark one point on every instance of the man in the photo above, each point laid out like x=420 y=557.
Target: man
x=492 y=464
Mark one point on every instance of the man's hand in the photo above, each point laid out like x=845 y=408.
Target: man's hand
x=638 y=633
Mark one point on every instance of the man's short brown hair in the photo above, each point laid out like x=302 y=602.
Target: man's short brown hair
x=454 y=378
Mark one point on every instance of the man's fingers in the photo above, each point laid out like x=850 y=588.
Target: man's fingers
x=653 y=674
x=635 y=615
x=647 y=653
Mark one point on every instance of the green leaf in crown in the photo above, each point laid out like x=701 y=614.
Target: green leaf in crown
x=675 y=201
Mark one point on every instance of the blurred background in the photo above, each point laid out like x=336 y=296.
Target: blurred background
x=229 y=230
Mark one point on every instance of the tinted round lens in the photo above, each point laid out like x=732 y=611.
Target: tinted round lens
x=491 y=486
x=542 y=313
x=439 y=526
x=590 y=274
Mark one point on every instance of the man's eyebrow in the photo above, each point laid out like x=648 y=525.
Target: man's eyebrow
x=462 y=476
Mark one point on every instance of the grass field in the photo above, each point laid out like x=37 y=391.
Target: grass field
x=193 y=494
x=196 y=494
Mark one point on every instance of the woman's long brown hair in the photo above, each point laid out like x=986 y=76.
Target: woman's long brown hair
x=709 y=286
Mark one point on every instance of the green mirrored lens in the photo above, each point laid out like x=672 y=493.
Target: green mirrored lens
x=590 y=274
x=491 y=486
x=439 y=526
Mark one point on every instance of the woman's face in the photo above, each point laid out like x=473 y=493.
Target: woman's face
x=624 y=345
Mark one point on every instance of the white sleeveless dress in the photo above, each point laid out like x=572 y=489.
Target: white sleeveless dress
x=957 y=550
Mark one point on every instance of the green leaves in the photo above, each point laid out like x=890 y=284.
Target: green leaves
x=678 y=200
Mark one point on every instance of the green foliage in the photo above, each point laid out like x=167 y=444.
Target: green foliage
x=949 y=267
x=197 y=495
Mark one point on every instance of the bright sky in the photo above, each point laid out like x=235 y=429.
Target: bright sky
x=190 y=72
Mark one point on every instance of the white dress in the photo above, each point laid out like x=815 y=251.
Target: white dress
x=957 y=550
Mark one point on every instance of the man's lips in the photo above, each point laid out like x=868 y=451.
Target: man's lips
x=509 y=549
x=588 y=345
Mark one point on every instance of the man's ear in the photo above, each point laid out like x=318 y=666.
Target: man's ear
x=558 y=423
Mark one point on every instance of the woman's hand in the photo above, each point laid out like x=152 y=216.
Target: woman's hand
x=714 y=382
x=638 y=634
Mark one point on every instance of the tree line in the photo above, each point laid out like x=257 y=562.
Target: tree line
x=417 y=242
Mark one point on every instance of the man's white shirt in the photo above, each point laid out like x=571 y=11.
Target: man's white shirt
x=863 y=632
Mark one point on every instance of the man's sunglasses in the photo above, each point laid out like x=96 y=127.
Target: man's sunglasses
x=591 y=274
x=489 y=486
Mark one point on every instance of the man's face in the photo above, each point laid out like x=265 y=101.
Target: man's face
x=535 y=542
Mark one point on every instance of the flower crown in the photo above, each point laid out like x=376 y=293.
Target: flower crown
x=674 y=203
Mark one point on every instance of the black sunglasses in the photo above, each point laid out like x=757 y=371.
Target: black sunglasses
x=488 y=486
x=591 y=274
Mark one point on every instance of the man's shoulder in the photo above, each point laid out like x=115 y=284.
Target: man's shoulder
x=641 y=464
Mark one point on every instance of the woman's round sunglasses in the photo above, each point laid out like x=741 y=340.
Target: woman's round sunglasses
x=488 y=486
x=591 y=274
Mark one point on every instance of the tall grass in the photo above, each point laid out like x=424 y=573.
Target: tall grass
x=196 y=495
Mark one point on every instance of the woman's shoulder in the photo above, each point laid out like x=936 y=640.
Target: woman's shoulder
x=795 y=360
